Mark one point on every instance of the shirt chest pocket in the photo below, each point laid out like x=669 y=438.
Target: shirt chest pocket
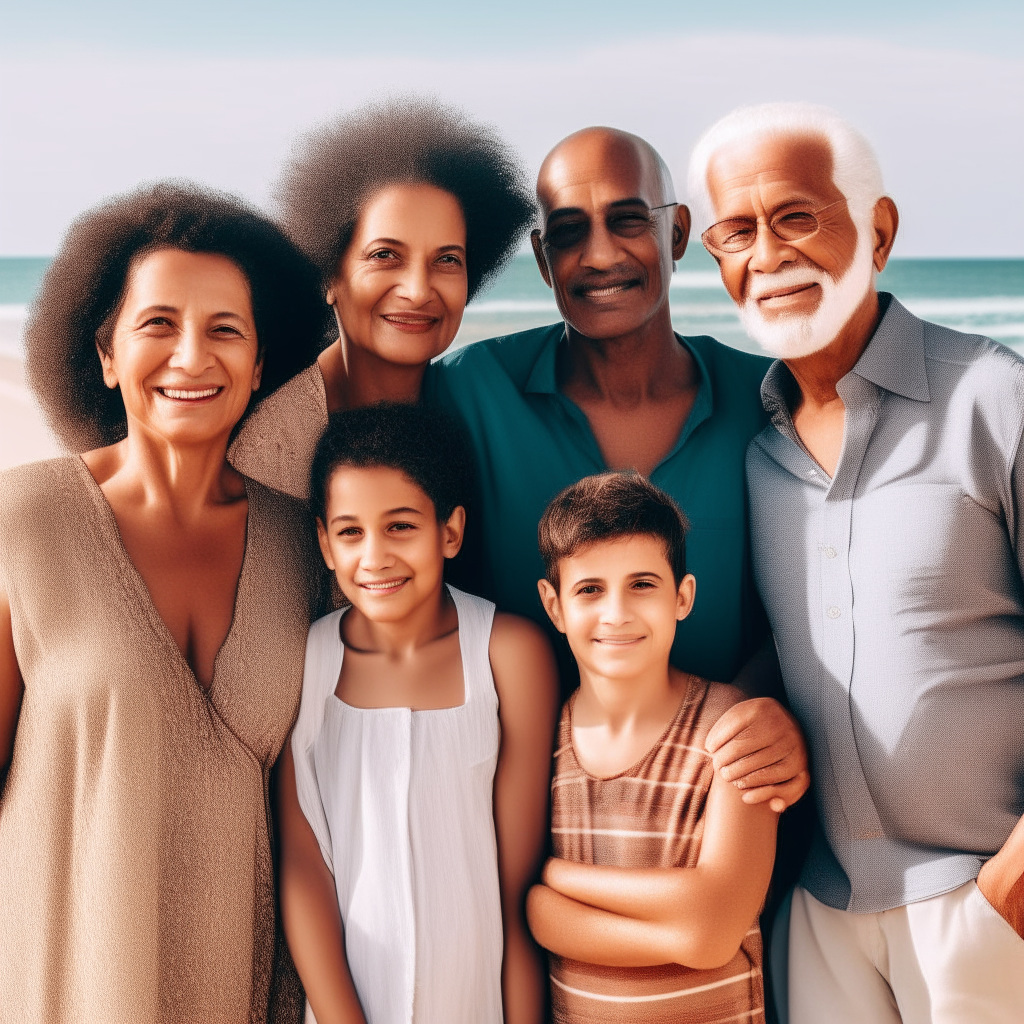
x=932 y=544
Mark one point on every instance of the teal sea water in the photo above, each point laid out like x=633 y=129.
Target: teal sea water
x=979 y=296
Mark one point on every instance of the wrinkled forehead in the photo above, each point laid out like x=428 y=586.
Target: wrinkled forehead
x=774 y=168
x=592 y=170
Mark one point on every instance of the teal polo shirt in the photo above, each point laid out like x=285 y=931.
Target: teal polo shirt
x=531 y=441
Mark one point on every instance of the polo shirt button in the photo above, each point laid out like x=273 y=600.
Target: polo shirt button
x=829 y=551
x=833 y=612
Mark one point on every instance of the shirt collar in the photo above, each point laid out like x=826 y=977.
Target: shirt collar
x=543 y=379
x=892 y=360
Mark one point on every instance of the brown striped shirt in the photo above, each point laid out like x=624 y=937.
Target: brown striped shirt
x=651 y=815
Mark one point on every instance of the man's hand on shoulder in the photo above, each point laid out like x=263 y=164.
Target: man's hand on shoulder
x=757 y=745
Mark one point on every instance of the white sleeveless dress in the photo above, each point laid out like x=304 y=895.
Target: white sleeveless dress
x=401 y=802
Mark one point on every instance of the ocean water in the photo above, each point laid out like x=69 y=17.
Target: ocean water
x=980 y=296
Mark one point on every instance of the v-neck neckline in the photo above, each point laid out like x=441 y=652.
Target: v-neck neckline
x=146 y=603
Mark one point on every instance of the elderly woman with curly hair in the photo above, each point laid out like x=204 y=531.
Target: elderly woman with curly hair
x=407 y=208
x=154 y=606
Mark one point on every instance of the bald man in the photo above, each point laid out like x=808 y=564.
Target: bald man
x=613 y=387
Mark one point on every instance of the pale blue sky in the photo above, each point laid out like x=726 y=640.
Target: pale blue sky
x=97 y=96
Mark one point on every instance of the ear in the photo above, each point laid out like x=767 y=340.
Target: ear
x=680 y=231
x=257 y=374
x=886 y=224
x=325 y=549
x=453 y=531
x=685 y=596
x=107 y=362
x=549 y=598
x=538 y=255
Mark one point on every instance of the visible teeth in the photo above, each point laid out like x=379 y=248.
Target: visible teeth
x=611 y=290
x=390 y=585
x=189 y=395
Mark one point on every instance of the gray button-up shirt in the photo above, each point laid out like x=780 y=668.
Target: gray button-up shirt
x=894 y=592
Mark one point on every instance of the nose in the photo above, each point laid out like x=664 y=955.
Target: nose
x=414 y=285
x=600 y=251
x=374 y=555
x=769 y=252
x=615 y=609
x=192 y=353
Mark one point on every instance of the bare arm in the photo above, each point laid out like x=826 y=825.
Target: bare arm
x=11 y=688
x=309 y=910
x=635 y=917
x=526 y=680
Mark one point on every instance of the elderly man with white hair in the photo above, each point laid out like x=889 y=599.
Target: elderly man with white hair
x=887 y=534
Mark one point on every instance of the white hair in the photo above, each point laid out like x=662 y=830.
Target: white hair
x=855 y=169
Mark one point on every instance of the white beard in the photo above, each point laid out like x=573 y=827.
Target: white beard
x=793 y=335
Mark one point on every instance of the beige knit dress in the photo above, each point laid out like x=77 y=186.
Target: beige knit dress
x=135 y=857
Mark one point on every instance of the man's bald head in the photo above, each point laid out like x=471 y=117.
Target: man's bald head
x=598 y=153
x=612 y=229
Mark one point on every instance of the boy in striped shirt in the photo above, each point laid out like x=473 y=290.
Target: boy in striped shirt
x=649 y=906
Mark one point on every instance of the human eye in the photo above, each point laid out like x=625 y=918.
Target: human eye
x=450 y=259
x=156 y=322
x=227 y=329
x=382 y=255
x=629 y=224
x=797 y=224
x=350 y=532
x=644 y=585
x=402 y=527
x=733 y=235
x=566 y=234
x=588 y=589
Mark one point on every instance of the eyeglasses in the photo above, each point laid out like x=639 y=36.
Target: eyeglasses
x=739 y=233
x=628 y=221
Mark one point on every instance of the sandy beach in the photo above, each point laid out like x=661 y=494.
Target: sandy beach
x=24 y=436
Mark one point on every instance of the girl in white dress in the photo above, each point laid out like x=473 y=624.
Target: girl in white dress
x=414 y=790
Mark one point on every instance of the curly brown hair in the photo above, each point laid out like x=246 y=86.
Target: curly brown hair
x=84 y=286
x=337 y=167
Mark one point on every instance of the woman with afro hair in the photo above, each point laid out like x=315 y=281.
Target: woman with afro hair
x=407 y=208
x=154 y=606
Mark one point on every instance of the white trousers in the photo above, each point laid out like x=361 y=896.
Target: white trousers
x=950 y=959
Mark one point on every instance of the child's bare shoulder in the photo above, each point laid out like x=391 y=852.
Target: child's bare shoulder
x=717 y=699
x=521 y=657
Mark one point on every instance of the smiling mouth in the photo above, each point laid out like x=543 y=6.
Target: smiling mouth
x=618 y=641
x=189 y=394
x=785 y=293
x=411 y=323
x=606 y=291
x=385 y=586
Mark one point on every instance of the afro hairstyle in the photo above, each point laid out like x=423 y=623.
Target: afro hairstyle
x=336 y=168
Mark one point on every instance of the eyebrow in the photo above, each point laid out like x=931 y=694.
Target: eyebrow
x=404 y=509
x=175 y=309
x=399 y=242
x=566 y=211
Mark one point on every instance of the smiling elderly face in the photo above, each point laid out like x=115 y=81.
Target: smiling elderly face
x=795 y=293
x=611 y=231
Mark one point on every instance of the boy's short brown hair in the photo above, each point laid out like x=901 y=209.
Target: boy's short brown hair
x=607 y=506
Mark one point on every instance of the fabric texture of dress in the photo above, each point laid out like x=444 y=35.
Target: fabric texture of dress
x=650 y=816
x=136 y=880
x=401 y=803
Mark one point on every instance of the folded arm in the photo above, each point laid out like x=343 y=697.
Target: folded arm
x=631 y=917
x=309 y=910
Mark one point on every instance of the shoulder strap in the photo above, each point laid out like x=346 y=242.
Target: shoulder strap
x=476 y=617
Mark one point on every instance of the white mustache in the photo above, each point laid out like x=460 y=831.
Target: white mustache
x=788 y=277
